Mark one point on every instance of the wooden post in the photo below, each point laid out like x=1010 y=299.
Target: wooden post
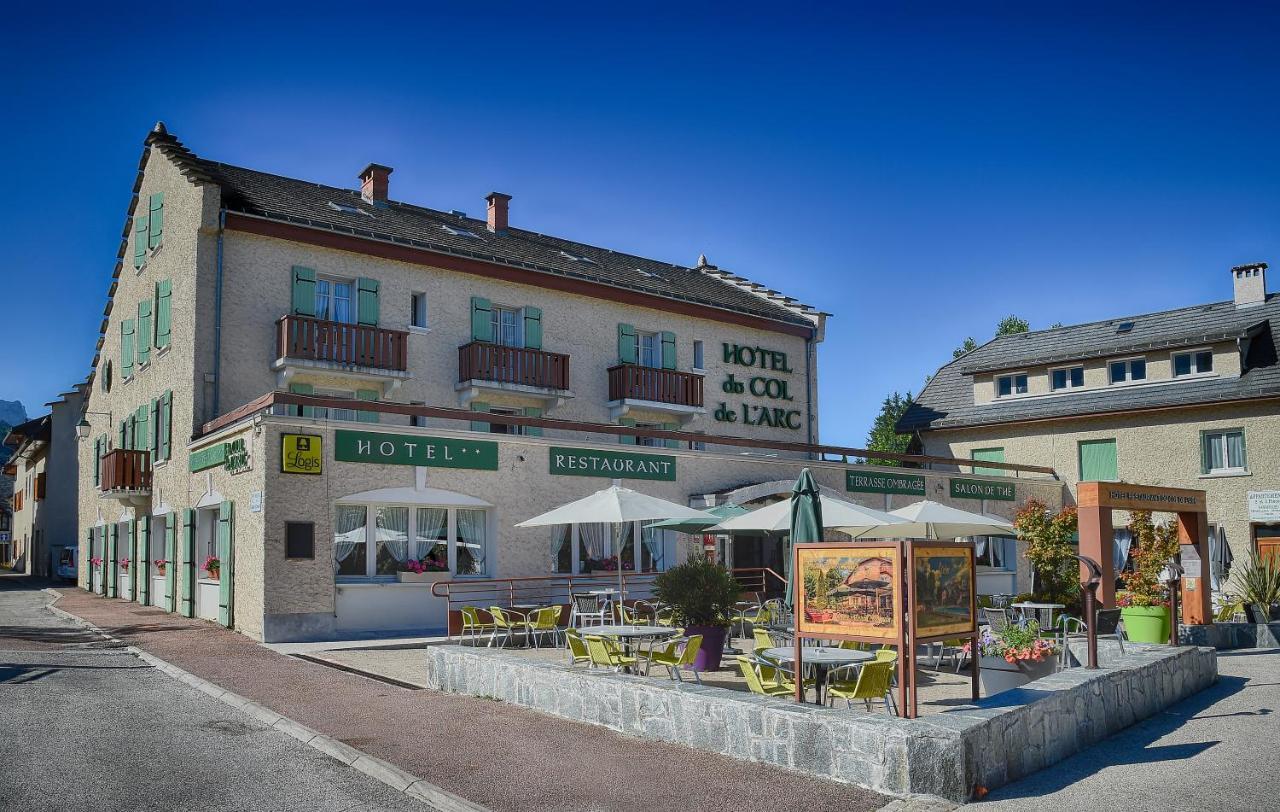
x=907 y=623
x=1097 y=537
x=1193 y=531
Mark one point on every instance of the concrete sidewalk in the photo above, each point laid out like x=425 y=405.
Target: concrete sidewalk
x=493 y=754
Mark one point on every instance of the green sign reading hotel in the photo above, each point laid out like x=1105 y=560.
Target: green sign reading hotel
x=613 y=464
x=208 y=457
x=979 y=489
x=412 y=449
x=879 y=482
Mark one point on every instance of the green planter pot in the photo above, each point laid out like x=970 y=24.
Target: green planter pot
x=1146 y=624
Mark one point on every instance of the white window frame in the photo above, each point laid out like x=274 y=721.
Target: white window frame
x=1069 y=386
x=418 y=311
x=371 y=542
x=506 y=411
x=325 y=413
x=669 y=549
x=1128 y=370
x=1221 y=436
x=353 y=301
x=1012 y=386
x=495 y=322
x=1194 y=373
x=699 y=357
x=650 y=442
x=656 y=338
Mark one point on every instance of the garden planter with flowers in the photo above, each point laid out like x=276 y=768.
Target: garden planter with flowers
x=125 y=587
x=1014 y=657
x=426 y=571
x=1146 y=624
x=157 y=582
x=1144 y=603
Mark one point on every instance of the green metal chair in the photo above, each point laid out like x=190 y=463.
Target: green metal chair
x=473 y=625
x=748 y=668
x=874 y=681
x=630 y=617
x=675 y=654
x=606 y=654
x=543 y=622
x=577 y=647
x=506 y=625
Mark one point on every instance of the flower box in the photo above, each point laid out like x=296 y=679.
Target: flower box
x=997 y=675
x=423 y=577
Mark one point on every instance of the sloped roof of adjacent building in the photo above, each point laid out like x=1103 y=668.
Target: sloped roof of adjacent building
x=947 y=401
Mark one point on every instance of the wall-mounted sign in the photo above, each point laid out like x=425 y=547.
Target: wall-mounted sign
x=301 y=454
x=232 y=455
x=981 y=489
x=208 y=457
x=612 y=464
x=1124 y=496
x=1264 y=506
x=237 y=456
x=770 y=388
x=412 y=449
x=879 y=482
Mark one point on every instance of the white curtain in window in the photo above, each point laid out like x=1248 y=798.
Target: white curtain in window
x=348 y=530
x=594 y=538
x=1123 y=540
x=471 y=542
x=391 y=530
x=979 y=547
x=561 y=549
x=1235 y=449
x=342 y=302
x=1216 y=462
x=653 y=542
x=433 y=528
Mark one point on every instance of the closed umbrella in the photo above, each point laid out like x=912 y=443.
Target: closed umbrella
x=933 y=520
x=806 y=523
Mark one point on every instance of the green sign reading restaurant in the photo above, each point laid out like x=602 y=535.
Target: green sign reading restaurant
x=412 y=449
x=879 y=482
x=978 y=489
x=612 y=464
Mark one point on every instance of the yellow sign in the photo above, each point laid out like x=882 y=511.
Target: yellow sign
x=301 y=454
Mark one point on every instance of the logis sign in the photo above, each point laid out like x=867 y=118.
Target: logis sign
x=769 y=387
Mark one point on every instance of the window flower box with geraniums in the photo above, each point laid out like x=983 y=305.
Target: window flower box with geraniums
x=96 y=561
x=430 y=569
x=1013 y=657
x=124 y=564
x=212 y=567
x=160 y=564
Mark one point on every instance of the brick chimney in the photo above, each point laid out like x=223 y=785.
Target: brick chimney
x=497 y=211
x=1250 y=283
x=374 y=180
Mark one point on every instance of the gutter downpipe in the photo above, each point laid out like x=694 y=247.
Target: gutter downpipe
x=217 y=317
x=808 y=388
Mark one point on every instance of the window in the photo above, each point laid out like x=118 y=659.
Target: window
x=989 y=551
x=324 y=413
x=417 y=420
x=1128 y=370
x=697 y=355
x=502 y=428
x=333 y=301
x=581 y=548
x=1068 y=378
x=649 y=349
x=1223 y=452
x=1098 y=461
x=1198 y=362
x=1009 y=385
x=418 y=310
x=507 y=326
x=443 y=539
x=651 y=442
x=431 y=537
x=988 y=455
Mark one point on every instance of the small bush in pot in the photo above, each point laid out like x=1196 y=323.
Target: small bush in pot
x=701 y=595
x=1260 y=583
x=1144 y=603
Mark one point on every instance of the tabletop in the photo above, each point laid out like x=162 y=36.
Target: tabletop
x=821 y=655
x=628 y=631
x=1034 y=605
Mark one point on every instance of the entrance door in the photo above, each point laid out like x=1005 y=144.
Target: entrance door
x=1267 y=537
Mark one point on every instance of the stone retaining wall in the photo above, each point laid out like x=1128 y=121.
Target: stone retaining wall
x=1225 y=636
x=990 y=743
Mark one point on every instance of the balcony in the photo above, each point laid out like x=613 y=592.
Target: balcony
x=518 y=370
x=354 y=350
x=125 y=474
x=665 y=390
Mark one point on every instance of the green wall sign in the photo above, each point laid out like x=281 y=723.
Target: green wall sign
x=612 y=464
x=978 y=489
x=233 y=455
x=208 y=457
x=413 y=449
x=879 y=482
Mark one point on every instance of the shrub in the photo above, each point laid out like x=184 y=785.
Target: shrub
x=1260 y=581
x=1050 y=551
x=700 y=592
x=1154 y=545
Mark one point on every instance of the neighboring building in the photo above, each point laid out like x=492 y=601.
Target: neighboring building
x=1183 y=398
x=45 y=471
x=235 y=287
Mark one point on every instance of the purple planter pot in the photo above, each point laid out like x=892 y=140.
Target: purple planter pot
x=712 y=646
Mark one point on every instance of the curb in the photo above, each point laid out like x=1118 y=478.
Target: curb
x=385 y=772
x=919 y=803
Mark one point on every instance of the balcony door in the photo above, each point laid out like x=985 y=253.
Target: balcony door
x=507 y=326
x=649 y=350
x=334 y=301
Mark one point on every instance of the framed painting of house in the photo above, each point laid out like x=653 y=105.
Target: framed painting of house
x=942 y=602
x=849 y=591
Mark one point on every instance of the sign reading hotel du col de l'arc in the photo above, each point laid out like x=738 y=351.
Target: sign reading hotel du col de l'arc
x=612 y=464
x=776 y=391
x=409 y=449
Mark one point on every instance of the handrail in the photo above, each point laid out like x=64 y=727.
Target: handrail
x=485 y=361
x=124 y=469
x=364 y=345
x=650 y=383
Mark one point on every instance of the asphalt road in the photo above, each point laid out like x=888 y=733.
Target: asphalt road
x=85 y=725
x=1214 y=751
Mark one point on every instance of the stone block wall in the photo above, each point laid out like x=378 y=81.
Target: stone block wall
x=1226 y=636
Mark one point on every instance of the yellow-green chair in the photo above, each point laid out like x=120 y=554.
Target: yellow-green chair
x=675 y=654
x=755 y=684
x=543 y=622
x=875 y=681
x=606 y=654
x=762 y=639
x=506 y=625
x=630 y=617
x=665 y=617
x=854 y=645
x=577 y=647
x=473 y=625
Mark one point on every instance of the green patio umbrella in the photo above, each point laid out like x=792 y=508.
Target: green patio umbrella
x=696 y=526
x=806 y=523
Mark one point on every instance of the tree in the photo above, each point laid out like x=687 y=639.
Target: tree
x=1050 y=550
x=968 y=346
x=1154 y=545
x=882 y=436
x=1011 y=325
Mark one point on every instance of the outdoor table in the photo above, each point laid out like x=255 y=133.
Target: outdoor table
x=1030 y=608
x=607 y=593
x=822 y=658
x=626 y=634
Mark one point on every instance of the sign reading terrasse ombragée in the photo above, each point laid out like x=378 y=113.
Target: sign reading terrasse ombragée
x=413 y=449
x=981 y=489
x=612 y=464
x=880 y=482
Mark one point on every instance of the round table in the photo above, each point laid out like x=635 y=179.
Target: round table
x=1028 y=608
x=629 y=633
x=822 y=658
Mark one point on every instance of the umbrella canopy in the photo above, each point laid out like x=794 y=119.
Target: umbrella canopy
x=694 y=526
x=932 y=520
x=835 y=514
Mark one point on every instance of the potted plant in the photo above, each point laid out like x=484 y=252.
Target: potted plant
x=212 y=567
x=1260 y=586
x=701 y=595
x=124 y=564
x=425 y=570
x=160 y=564
x=1013 y=656
x=1144 y=603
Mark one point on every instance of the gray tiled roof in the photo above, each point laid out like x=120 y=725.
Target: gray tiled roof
x=343 y=210
x=947 y=401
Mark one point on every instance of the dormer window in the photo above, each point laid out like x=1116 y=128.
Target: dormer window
x=1197 y=362
x=1011 y=385
x=1066 y=378
x=1128 y=370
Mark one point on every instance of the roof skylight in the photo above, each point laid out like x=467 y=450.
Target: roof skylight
x=578 y=258
x=343 y=207
x=1125 y=326
x=461 y=232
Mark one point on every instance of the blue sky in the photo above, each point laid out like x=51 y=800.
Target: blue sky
x=916 y=171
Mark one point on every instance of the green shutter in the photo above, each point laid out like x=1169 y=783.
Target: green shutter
x=988 y=455
x=139 y=241
x=367 y=301
x=113 y=575
x=106 y=561
x=142 y=428
x=164 y=317
x=533 y=431
x=533 y=328
x=122 y=434
x=155 y=228
x=126 y=348
x=671 y=427
x=164 y=425
x=367 y=394
x=226 y=565
x=88 y=558
x=1098 y=461
x=303 y=389
x=97 y=462
x=668 y=350
x=171 y=559
x=626 y=344
x=132 y=547
x=304 y=291
x=627 y=439
x=144 y=331
x=142 y=564
x=481 y=315
x=478 y=406
x=188 y=562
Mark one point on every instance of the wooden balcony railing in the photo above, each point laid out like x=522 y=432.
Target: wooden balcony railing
x=126 y=470
x=662 y=385
x=313 y=339
x=483 y=361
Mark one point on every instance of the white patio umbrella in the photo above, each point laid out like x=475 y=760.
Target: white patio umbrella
x=837 y=514
x=617 y=505
x=933 y=520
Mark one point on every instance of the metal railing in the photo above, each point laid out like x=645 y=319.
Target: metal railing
x=315 y=339
x=481 y=360
x=632 y=381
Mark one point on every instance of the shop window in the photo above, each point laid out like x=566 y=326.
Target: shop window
x=591 y=547
x=431 y=538
x=1010 y=385
x=1199 y=362
x=299 y=540
x=391 y=539
x=440 y=538
x=349 y=540
x=1222 y=452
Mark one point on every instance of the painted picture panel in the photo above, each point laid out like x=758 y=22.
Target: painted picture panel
x=944 y=584
x=848 y=591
